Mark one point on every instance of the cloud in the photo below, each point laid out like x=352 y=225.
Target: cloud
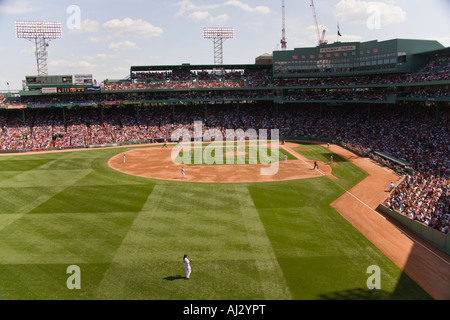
x=99 y=56
x=350 y=38
x=198 y=15
x=186 y=5
x=100 y=39
x=221 y=18
x=311 y=32
x=132 y=28
x=248 y=8
x=87 y=26
x=125 y=45
x=17 y=8
x=73 y=64
x=205 y=15
x=359 y=11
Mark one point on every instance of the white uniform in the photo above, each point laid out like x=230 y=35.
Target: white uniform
x=183 y=175
x=187 y=267
x=285 y=158
x=391 y=186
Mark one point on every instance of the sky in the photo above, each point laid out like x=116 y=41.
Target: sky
x=106 y=37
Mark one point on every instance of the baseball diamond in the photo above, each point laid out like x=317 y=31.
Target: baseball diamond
x=315 y=173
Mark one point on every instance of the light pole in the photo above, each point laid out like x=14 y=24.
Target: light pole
x=218 y=35
x=41 y=33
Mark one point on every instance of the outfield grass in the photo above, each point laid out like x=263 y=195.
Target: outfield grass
x=274 y=240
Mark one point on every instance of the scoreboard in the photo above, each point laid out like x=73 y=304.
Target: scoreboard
x=60 y=80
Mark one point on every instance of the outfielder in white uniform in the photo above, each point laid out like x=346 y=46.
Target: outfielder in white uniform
x=187 y=266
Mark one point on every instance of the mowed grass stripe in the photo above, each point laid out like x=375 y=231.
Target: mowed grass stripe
x=96 y=198
x=42 y=178
x=135 y=248
x=229 y=263
x=271 y=277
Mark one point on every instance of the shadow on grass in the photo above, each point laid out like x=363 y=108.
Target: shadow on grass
x=336 y=158
x=357 y=294
x=172 y=278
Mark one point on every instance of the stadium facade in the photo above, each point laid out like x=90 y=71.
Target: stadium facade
x=354 y=58
x=373 y=72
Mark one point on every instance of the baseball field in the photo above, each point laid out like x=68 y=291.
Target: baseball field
x=125 y=218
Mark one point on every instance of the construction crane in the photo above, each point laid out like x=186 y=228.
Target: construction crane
x=321 y=39
x=283 y=29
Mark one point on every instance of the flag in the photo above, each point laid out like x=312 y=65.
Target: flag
x=339 y=31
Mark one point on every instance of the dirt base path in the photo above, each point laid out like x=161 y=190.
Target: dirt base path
x=422 y=262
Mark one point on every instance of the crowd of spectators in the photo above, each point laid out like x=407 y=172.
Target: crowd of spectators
x=341 y=95
x=424 y=198
x=437 y=69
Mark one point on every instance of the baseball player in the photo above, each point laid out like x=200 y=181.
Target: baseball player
x=123 y=156
x=285 y=158
x=316 y=165
x=183 y=175
x=391 y=186
x=187 y=266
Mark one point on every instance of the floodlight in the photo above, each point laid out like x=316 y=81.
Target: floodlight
x=218 y=35
x=41 y=33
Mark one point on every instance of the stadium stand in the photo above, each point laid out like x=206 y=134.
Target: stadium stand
x=386 y=100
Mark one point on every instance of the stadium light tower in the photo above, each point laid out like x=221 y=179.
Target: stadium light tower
x=218 y=35
x=41 y=33
x=283 y=30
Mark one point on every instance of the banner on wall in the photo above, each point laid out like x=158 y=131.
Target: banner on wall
x=338 y=49
x=49 y=90
x=82 y=79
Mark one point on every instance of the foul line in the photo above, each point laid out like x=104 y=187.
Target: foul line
x=362 y=202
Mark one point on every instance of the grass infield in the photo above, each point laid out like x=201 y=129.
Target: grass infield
x=248 y=241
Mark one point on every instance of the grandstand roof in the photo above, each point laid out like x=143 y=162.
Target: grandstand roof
x=185 y=67
x=439 y=52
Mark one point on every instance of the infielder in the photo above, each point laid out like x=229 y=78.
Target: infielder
x=183 y=175
x=285 y=158
x=187 y=266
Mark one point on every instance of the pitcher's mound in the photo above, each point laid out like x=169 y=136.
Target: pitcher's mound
x=156 y=163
